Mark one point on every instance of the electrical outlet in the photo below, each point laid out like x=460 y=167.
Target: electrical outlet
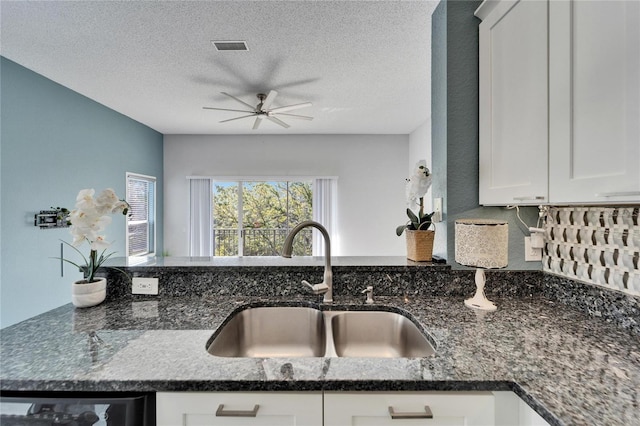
x=145 y=285
x=537 y=240
x=437 y=209
x=531 y=254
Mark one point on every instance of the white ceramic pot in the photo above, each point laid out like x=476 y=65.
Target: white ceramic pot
x=84 y=295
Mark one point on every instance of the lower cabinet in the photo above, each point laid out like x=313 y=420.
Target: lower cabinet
x=239 y=408
x=408 y=408
x=511 y=410
x=344 y=409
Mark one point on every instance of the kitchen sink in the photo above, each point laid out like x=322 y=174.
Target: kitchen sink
x=273 y=332
x=377 y=334
x=267 y=332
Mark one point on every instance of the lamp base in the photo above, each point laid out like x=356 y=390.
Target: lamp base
x=479 y=300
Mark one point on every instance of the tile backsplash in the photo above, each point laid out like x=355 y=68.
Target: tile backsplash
x=597 y=245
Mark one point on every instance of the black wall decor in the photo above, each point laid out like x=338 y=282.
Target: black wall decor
x=55 y=218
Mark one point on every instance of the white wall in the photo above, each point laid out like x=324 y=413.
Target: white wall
x=420 y=149
x=371 y=171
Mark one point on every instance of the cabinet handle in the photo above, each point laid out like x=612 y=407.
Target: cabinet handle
x=618 y=194
x=236 y=413
x=427 y=414
x=530 y=197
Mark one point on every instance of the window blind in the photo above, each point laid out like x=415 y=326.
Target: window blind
x=141 y=217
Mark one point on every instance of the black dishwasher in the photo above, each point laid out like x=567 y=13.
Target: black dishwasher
x=77 y=409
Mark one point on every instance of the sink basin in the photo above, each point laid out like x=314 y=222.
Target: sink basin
x=377 y=334
x=267 y=332
x=275 y=332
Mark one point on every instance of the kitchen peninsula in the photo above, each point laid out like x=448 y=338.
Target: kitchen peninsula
x=570 y=367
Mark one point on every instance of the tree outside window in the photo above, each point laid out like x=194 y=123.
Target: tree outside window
x=254 y=218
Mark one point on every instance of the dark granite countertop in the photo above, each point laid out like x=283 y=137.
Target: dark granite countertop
x=570 y=367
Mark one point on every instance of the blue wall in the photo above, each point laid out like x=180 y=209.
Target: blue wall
x=439 y=122
x=455 y=133
x=55 y=142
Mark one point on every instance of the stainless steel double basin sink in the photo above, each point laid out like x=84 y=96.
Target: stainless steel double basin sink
x=272 y=332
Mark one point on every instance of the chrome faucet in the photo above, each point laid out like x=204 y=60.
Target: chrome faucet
x=326 y=286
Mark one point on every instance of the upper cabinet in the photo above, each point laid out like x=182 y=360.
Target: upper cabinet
x=559 y=102
x=594 y=108
x=513 y=104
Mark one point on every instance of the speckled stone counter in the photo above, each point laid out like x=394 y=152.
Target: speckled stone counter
x=279 y=277
x=570 y=367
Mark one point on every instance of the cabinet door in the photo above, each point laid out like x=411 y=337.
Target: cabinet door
x=514 y=104
x=373 y=408
x=594 y=79
x=512 y=411
x=273 y=408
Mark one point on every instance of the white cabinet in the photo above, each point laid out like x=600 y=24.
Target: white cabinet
x=559 y=102
x=513 y=104
x=594 y=109
x=239 y=408
x=512 y=411
x=410 y=408
x=344 y=409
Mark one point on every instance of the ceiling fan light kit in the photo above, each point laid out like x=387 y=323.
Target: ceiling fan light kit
x=263 y=110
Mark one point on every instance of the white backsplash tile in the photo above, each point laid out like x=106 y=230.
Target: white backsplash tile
x=597 y=245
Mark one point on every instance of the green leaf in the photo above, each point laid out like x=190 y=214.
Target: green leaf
x=86 y=262
x=68 y=261
x=400 y=229
x=121 y=271
x=412 y=216
x=422 y=226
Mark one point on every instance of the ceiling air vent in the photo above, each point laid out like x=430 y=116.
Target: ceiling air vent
x=230 y=45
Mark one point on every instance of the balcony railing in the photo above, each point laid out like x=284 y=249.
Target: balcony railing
x=259 y=241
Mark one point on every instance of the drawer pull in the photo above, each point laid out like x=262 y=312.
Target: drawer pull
x=427 y=414
x=618 y=194
x=220 y=412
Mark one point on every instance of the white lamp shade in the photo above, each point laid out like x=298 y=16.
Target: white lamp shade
x=482 y=242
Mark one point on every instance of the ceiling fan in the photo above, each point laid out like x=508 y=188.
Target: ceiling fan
x=263 y=111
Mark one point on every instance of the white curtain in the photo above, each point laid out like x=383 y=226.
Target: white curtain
x=201 y=218
x=325 y=196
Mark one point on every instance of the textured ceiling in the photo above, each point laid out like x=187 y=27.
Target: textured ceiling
x=365 y=66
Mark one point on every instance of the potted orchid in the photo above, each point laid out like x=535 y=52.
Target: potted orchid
x=88 y=221
x=419 y=237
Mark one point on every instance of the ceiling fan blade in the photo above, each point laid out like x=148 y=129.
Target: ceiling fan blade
x=291 y=107
x=269 y=100
x=253 y=108
x=226 y=109
x=256 y=123
x=278 y=121
x=300 y=117
x=237 y=118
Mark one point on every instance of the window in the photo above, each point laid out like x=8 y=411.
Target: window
x=141 y=221
x=253 y=218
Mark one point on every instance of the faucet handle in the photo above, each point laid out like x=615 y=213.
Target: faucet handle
x=369 y=291
x=316 y=288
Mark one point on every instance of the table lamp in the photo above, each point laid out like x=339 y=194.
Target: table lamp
x=483 y=243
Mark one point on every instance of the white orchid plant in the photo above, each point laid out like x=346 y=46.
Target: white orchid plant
x=88 y=221
x=416 y=187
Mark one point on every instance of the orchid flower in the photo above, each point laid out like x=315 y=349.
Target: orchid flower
x=88 y=221
x=416 y=187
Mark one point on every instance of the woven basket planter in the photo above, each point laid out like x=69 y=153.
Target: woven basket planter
x=420 y=245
